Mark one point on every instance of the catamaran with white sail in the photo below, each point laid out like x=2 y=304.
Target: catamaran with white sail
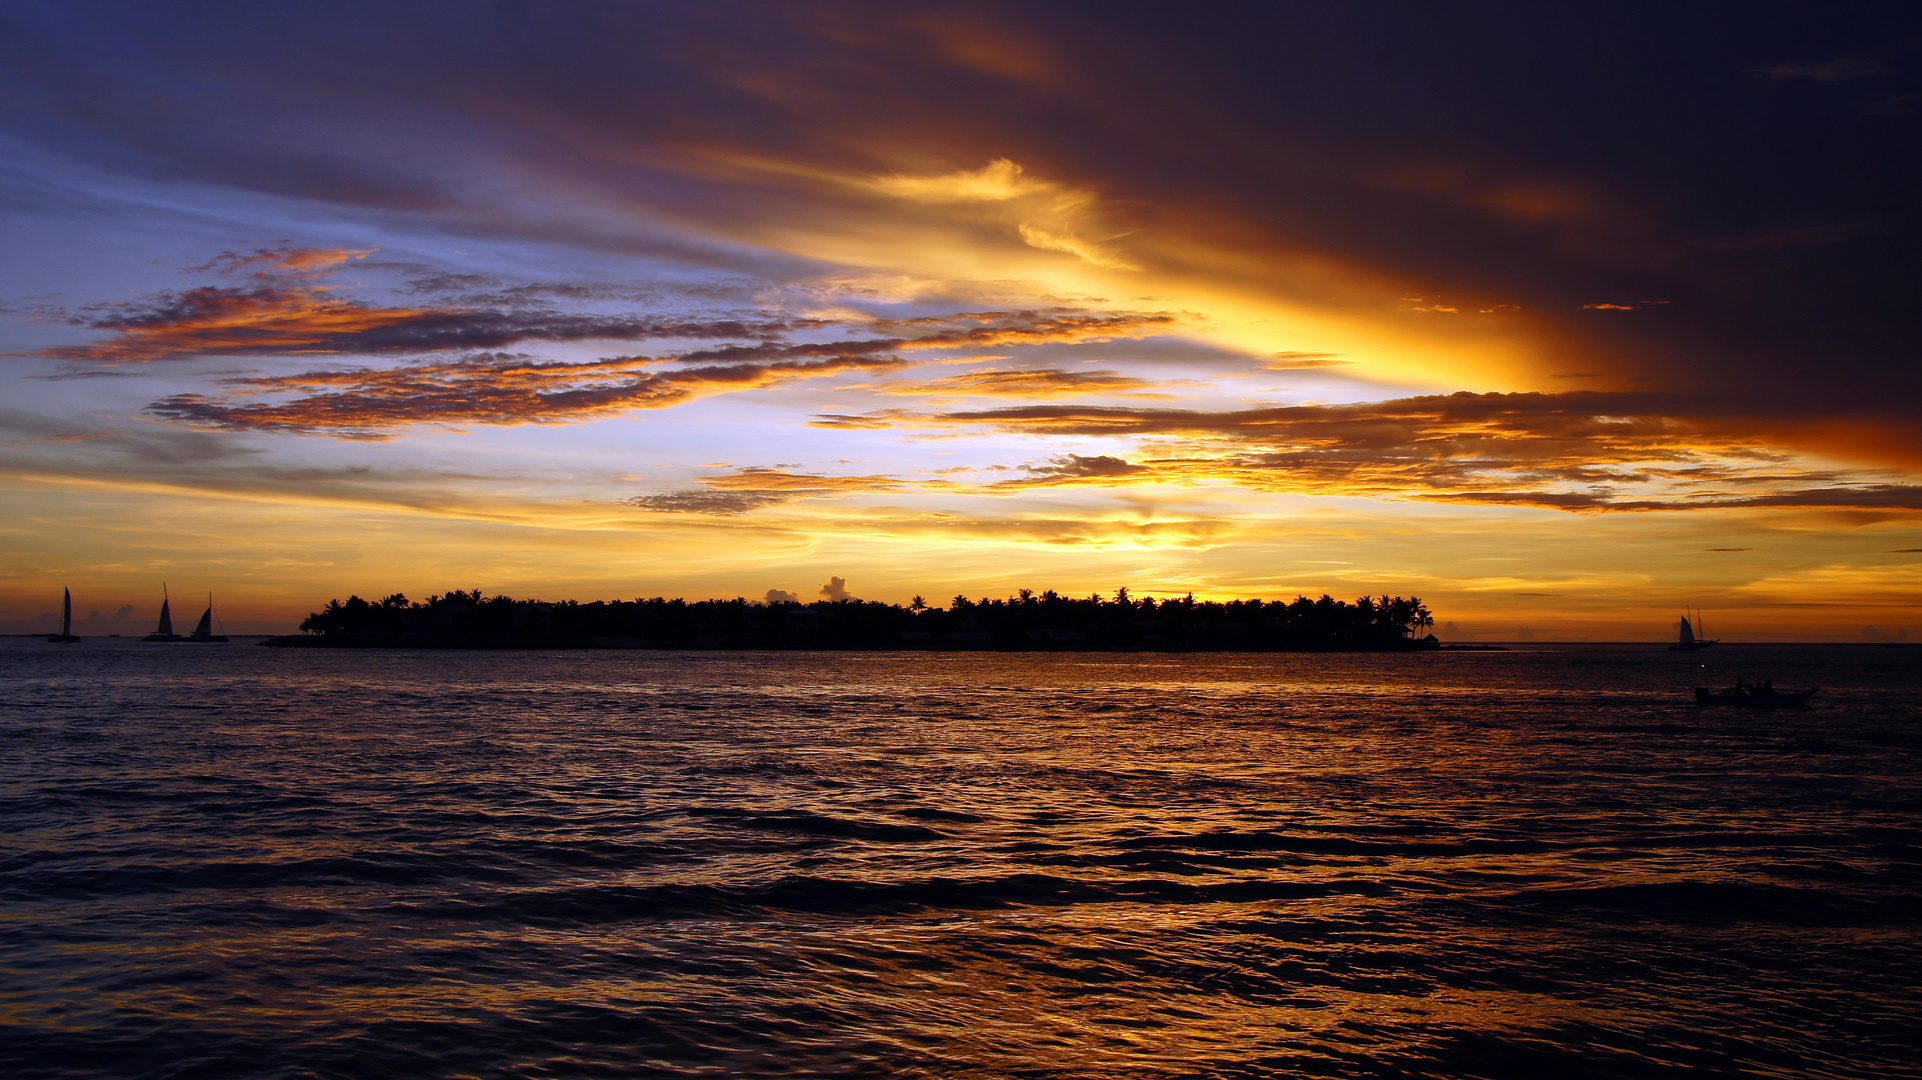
x=65 y=636
x=204 y=630
x=165 y=631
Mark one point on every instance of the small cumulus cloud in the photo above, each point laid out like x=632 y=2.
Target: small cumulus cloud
x=836 y=589
x=781 y=596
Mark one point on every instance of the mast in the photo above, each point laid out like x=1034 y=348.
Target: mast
x=166 y=615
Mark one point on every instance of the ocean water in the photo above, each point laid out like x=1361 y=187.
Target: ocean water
x=226 y=861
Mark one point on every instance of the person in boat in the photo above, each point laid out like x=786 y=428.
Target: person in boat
x=1768 y=687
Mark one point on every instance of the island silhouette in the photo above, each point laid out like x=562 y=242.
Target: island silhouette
x=1046 y=621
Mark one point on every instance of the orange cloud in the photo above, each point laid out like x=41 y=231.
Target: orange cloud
x=759 y=478
x=1037 y=383
x=370 y=404
x=497 y=388
x=1579 y=451
x=1048 y=216
x=282 y=309
x=755 y=488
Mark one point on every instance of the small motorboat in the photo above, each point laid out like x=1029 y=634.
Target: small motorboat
x=1765 y=696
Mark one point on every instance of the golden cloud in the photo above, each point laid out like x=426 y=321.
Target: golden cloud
x=1025 y=383
x=997 y=181
x=280 y=308
x=500 y=388
x=1576 y=451
x=1048 y=216
x=369 y=403
x=755 y=488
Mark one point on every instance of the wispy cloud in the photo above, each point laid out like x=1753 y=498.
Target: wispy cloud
x=1026 y=383
x=1296 y=361
x=763 y=478
x=1046 y=215
x=1578 y=451
x=372 y=403
x=503 y=388
x=1098 y=469
x=756 y=488
x=282 y=307
x=703 y=501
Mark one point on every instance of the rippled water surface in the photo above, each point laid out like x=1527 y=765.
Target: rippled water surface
x=225 y=861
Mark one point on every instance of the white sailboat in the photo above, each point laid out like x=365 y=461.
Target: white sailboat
x=165 y=631
x=1689 y=639
x=65 y=636
x=204 y=630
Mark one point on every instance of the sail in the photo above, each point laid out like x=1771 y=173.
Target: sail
x=66 y=612
x=1688 y=634
x=166 y=620
x=206 y=625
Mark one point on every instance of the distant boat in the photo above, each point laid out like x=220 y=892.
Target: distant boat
x=165 y=632
x=1689 y=642
x=204 y=630
x=65 y=636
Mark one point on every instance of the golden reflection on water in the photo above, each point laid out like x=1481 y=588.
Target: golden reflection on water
x=972 y=866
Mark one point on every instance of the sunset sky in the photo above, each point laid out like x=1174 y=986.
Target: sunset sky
x=1559 y=318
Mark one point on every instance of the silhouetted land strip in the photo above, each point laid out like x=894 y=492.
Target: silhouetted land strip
x=1043 y=622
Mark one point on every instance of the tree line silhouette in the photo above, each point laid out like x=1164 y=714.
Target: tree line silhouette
x=1027 y=620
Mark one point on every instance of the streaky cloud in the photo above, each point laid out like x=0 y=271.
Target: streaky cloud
x=1025 y=383
x=500 y=388
x=1579 y=451
x=756 y=488
x=373 y=403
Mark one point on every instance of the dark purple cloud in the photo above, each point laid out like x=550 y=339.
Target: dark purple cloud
x=1752 y=165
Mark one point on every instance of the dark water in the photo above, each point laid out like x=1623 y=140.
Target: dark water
x=223 y=861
